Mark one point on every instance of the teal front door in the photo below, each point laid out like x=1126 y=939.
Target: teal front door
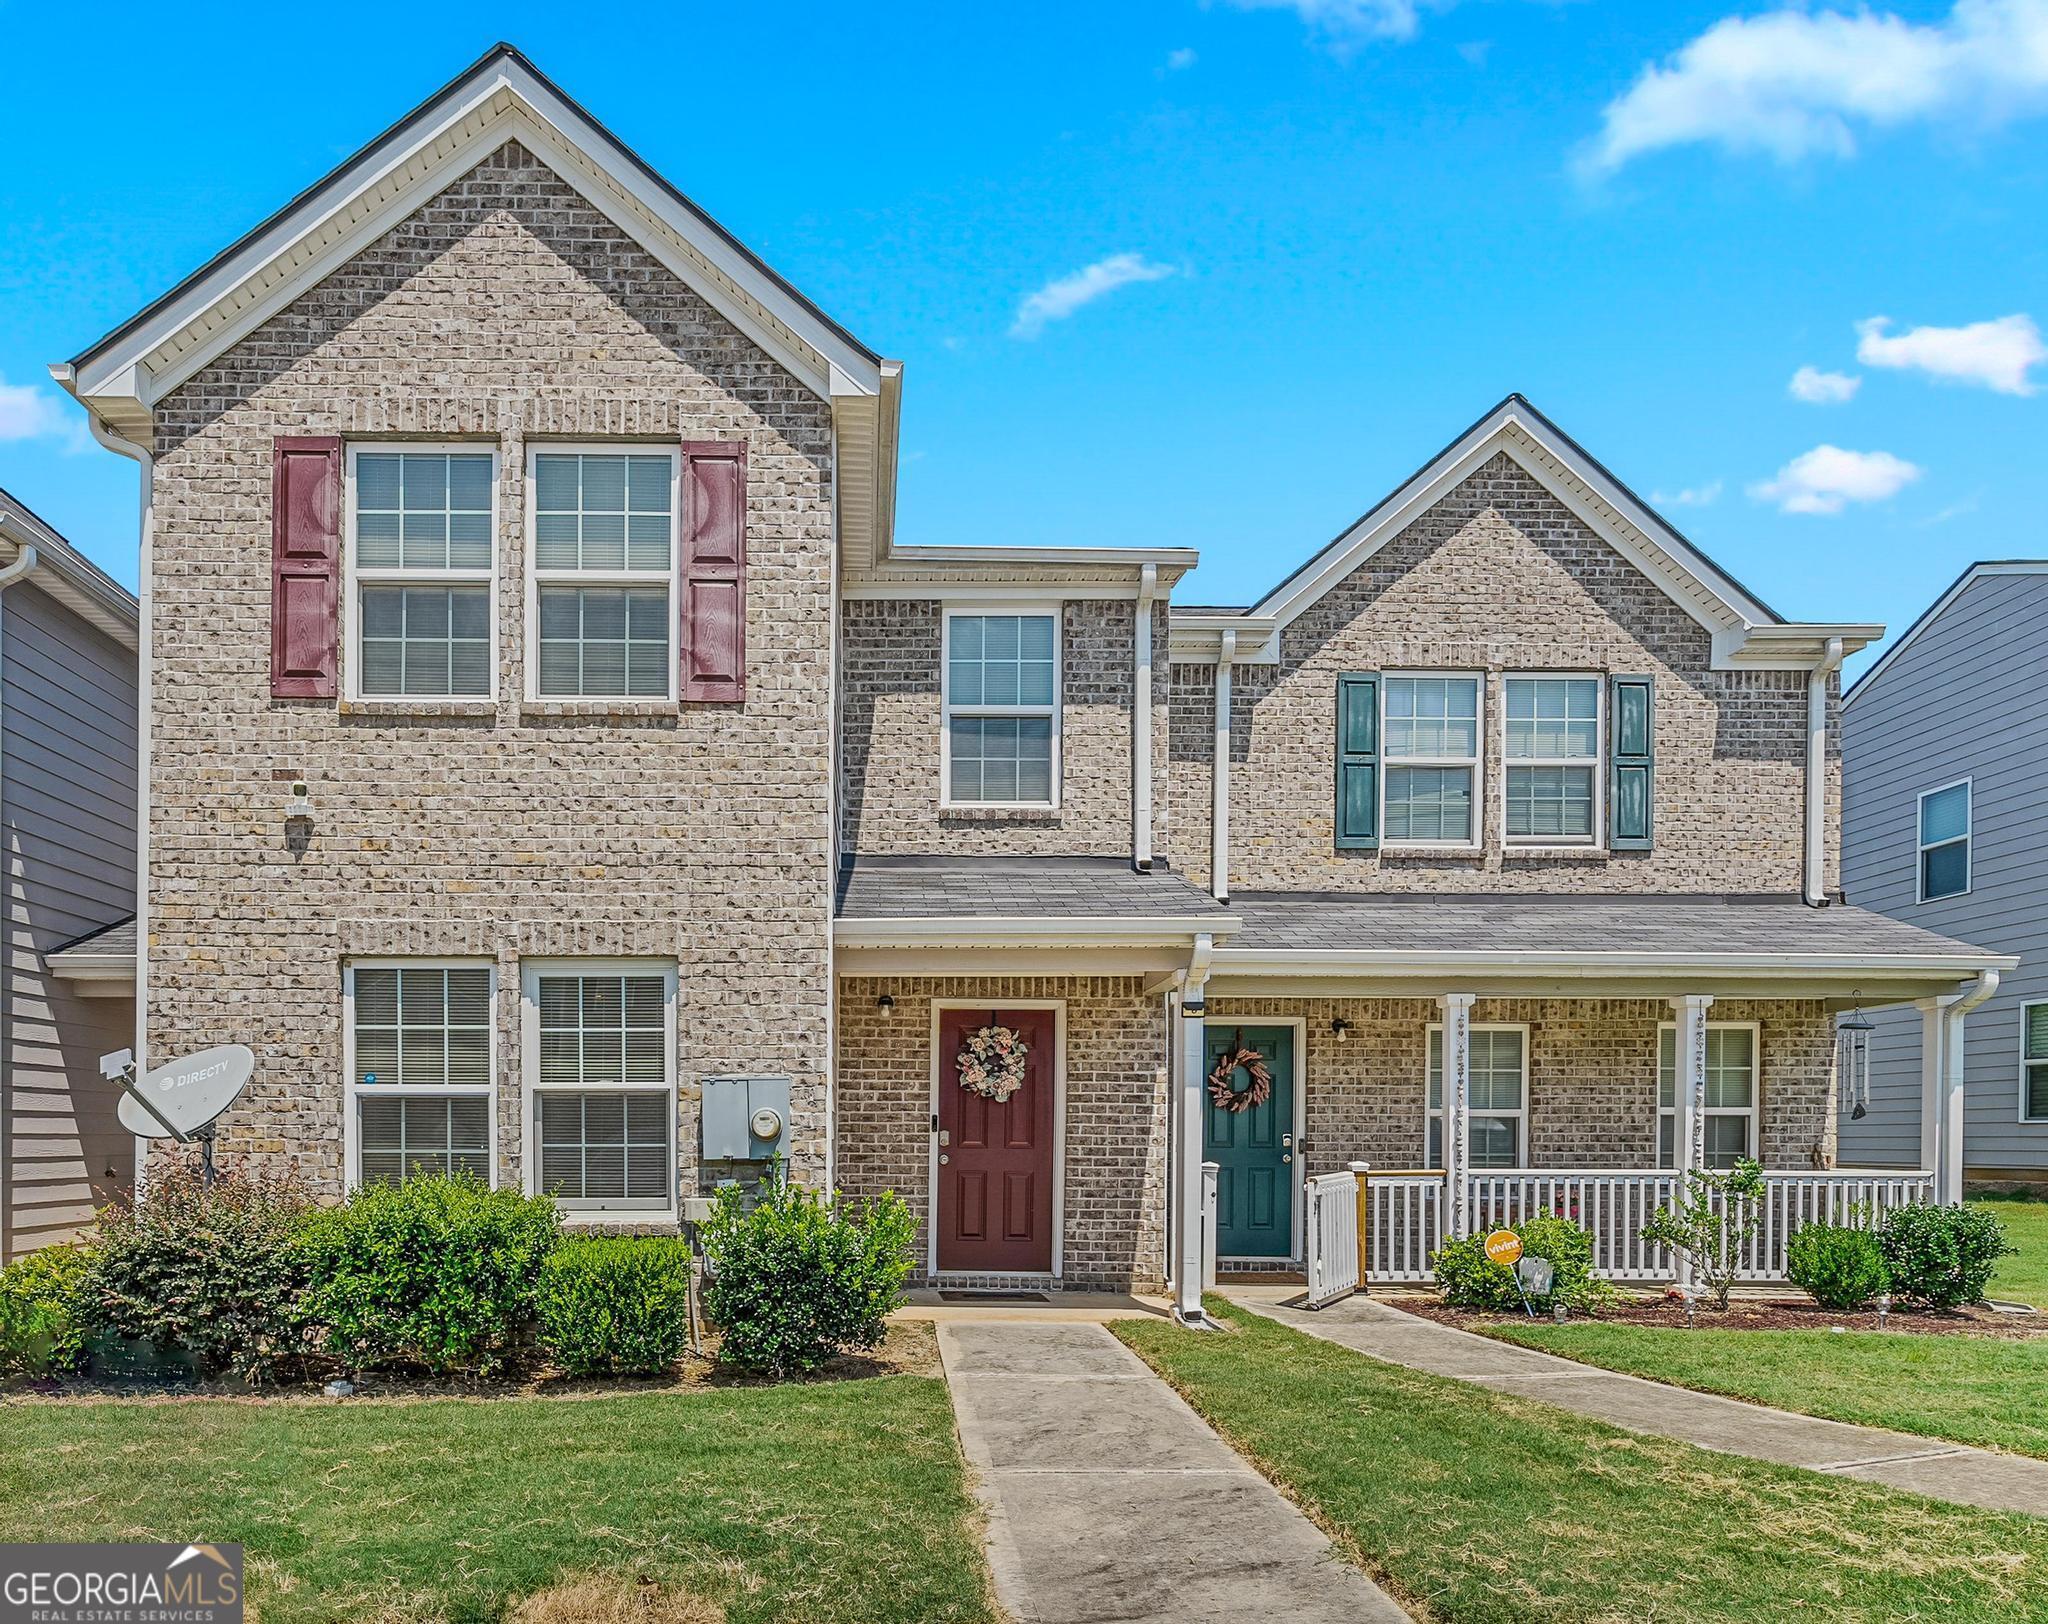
x=1253 y=1148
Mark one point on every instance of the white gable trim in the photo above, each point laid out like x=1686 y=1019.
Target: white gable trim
x=1744 y=630
x=503 y=98
x=1935 y=610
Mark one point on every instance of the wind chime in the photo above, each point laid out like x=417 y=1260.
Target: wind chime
x=1852 y=1037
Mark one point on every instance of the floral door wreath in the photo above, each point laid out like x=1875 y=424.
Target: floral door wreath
x=992 y=1062
x=1226 y=1097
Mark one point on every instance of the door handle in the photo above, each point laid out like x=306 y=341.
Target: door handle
x=943 y=1160
x=1286 y=1157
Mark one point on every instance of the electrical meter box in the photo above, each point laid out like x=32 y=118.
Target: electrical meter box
x=746 y=1119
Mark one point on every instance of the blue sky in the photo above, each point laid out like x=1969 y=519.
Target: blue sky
x=1166 y=272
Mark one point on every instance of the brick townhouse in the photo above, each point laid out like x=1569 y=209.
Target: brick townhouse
x=549 y=745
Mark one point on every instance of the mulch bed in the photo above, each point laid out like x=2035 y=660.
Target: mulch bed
x=1758 y=1314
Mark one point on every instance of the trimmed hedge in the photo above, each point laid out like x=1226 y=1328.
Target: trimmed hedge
x=1941 y=1257
x=1838 y=1265
x=1471 y=1279
x=615 y=1305
x=44 y=1312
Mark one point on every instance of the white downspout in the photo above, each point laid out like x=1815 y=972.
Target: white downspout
x=144 y=687
x=1948 y=1171
x=1141 y=723
x=1816 y=892
x=24 y=564
x=1219 y=776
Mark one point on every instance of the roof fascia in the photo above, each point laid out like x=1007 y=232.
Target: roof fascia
x=67 y=576
x=1935 y=610
x=1037 y=931
x=1620 y=964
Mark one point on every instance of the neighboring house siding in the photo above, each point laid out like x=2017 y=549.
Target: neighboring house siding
x=1967 y=699
x=892 y=717
x=1500 y=576
x=67 y=801
x=506 y=311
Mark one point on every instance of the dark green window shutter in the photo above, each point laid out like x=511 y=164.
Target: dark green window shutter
x=1631 y=800
x=1358 y=761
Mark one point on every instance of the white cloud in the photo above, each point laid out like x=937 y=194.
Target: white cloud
x=1818 y=388
x=1827 y=478
x=29 y=413
x=1690 y=496
x=1795 y=82
x=1996 y=354
x=1060 y=298
x=1177 y=61
x=1346 y=24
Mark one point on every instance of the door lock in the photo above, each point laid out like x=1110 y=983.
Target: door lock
x=1286 y=1157
x=943 y=1160
x=1286 y=1141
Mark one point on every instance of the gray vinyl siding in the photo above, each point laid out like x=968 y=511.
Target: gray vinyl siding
x=67 y=802
x=1967 y=699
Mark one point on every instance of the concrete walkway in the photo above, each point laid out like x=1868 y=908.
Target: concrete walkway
x=1945 y=1471
x=1108 y=1498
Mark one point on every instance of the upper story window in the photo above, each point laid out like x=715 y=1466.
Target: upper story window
x=419 y=1072
x=1001 y=740
x=600 y=1075
x=2034 y=1062
x=1431 y=732
x=1497 y=1120
x=1730 y=1130
x=422 y=587
x=1945 y=841
x=1552 y=760
x=601 y=606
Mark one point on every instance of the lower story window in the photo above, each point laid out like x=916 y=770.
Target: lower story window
x=2034 y=1062
x=420 y=1069
x=600 y=1065
x=1730 y=1127
x=1496 y=1126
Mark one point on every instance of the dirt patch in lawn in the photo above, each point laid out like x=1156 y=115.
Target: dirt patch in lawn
x=1757 y=1314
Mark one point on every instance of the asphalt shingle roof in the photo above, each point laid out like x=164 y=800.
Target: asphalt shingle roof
x=1066 y=887
x=109 y=941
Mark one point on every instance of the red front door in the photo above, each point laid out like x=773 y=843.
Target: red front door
x=995 y=1157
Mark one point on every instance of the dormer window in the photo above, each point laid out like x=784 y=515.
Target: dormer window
x=1000 y=744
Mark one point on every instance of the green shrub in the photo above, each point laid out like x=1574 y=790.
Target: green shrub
x=799 y=1277
x=1941 y=1257
x=211 y=1271
x=1838 y=1265
x=436 y=1273
x=612 y=1305
x=44 y=1312
x=1711 y=1223
x=1471 y=1279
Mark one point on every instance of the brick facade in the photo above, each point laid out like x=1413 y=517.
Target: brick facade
x=1116 y=1110
x=504 y=311
x=1499 y=576
x=892 y=715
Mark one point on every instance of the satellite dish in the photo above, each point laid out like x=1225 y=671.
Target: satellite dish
x=187 y=1094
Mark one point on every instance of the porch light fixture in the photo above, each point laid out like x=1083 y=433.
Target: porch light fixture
x=1340 y=1029
x=886 y=1004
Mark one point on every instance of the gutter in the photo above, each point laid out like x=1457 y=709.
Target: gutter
x=1158 y=930
x=1305 y=961
x=24 y=565
x=1815 y=893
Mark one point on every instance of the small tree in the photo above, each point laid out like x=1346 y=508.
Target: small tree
x=1711 y=1224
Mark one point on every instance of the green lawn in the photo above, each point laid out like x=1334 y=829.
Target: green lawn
x=2023 y=1277
x=842 y=1500
x=1969 y=1389
x=1476 y=1505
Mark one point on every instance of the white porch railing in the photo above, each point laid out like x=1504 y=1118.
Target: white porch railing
x=1331 y=1225
x=1405 y=1213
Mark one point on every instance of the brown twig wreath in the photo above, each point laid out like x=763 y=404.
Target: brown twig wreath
x=1226 y=1098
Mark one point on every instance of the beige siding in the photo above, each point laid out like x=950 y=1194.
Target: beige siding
x=67 y=799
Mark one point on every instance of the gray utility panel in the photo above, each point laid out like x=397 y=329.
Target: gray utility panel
x=746 y=1119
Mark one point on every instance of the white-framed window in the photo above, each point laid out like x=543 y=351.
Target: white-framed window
x=1944 y=832
x=601 y=589
x=418 y=1043
x=1734 y=1056
x=599 y=1062
x=1430 y=779
x=1551 y=780
x=999 y=744
x=1497 y=1119
x=2034 y=1062
x=422 y=597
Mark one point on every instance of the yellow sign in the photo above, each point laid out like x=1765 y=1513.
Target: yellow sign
x=1504 y=1246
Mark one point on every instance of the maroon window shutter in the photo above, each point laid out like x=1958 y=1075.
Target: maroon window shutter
x=713 y=636
x=305 y=566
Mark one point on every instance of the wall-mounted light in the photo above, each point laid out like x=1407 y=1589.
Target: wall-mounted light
x=300 y=802
x=1340 y=1029
x=886 y=1004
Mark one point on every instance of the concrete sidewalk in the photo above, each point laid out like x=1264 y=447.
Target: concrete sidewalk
x=1108 y=1498
x=1945 y=1471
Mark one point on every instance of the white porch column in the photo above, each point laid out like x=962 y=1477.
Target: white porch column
x=1689 y=1098
x=1457 y=1080
x=1187 y=1141
x=1948 y=1172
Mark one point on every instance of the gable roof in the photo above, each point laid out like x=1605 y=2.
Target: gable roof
x=1935 y=610
x=1745 y=630
x=66 y=574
